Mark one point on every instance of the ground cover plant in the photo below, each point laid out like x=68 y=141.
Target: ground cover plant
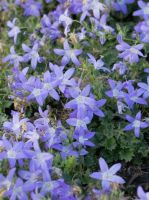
x=74 y=90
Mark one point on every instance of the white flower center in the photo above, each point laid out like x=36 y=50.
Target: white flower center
x=146 y=10
x=80 y=100
x=133 y=50
x=106 y=175
x=136 y=123
x=115 y=92
x=6 y=183
x=82 y=139
x=11 y=154
x=16 y=126
x=47 y=86
x=36 y=92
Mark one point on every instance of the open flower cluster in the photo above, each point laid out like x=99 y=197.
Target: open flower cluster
x=52 y=54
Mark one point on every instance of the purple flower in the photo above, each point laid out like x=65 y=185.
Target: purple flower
x=32 y=8
x=101 y=25
x=121 y=5
x=84 y=105
x=14 y=29
x=135 y=123
x=58 y=189
x=66 y=21
x=19 y=191
x=116 y=89
x=20 y=82
x=65 y=150
x=144 y=88
x=48 y=1
x=37 y=91
x=39 y=159
x=146 y=70
x=121 y=107
x=129 y=53
x=144 y=11
x=43 y=122
x=49 y=29
x=33 y=177
x=76 y=6
x=120 y=67
x=99 y=64
x=65 y=79
x=13 y=58
x=16 y=124
x=6 y=182
x=107 y=175
x=83 y=138
x=68 y=54
x=95 y=6
x=12 y=151
x=49 y=85
x=141 y=194
x=79 y=122
x=143 y=29
x=32 y=55
x=81 y=35
x=31 y=135
x=3 y=5
x=133 y=96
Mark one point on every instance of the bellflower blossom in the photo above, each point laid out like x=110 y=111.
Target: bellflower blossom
x=13 y=151
x=129 y=53
x=3 y=5
x=121 y=5
x=42 y=122
x=107 y=175
x=19 y=190
x=65 y=151
x=31 y=135
x=99 y=64
x=79 y=122
x=32 y=55
x=64 y=79
x=76 y=6
x=66 y=21
x=32 y=8
x=101 y=25
x=40 y=159
x=133 y=96
x=37 y=92
x=116 y=89
x=95 y=6
x=49 y=85
x=144 y=88
x=13 y=58
x=58 y=189
x=141 y=194
x=120 y=67
x=82 y=138
x=144 y=11
x=20 y=82
x=16 y=124
x=48 y=29
x=14 y=30
x=6 y=182
x=143 y=29
x=135 y=123
x=33 y=177
x=68 y=54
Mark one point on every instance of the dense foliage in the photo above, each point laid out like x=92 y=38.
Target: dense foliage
x=74 y=90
